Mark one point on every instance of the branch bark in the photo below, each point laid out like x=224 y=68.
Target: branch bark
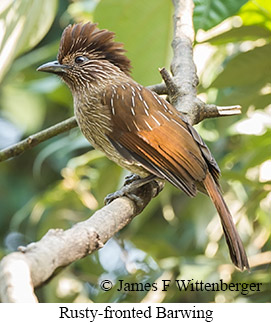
x=22 y=271
x=183 y=94
x=34 y=264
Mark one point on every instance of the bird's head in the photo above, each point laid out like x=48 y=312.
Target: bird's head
x=87 y=54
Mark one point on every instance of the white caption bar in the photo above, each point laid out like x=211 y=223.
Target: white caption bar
x=128 y=312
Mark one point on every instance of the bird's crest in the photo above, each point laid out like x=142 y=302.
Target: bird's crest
x=87 y=38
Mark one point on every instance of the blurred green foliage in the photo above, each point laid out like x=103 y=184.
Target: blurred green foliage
x=64 y=181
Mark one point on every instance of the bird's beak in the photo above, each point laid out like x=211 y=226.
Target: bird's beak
x=53 y=67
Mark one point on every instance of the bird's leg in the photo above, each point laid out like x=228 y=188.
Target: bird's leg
x=131 y=184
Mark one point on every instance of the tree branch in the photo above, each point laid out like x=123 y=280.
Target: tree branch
x=37 y=138
x=36 y=263
x=183 y=85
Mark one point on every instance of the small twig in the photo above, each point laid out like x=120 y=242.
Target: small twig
x=34 y=140
x=228 y=110
x=159 y=88
x=206 y=111
x=173 y=90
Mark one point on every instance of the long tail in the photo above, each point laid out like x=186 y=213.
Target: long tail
x=236 y=248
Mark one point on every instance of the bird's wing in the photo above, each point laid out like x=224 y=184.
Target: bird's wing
x=150 y=130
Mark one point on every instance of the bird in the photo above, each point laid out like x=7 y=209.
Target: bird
x=133 y=126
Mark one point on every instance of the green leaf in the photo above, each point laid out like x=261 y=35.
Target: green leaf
x=145 y=29
x=252 y=151
x=246 y=69
x=257 y=12
x=240 y=34
x=24 y=108
x=245 y=96
x=262 y=101
x=24 y=22
x=209 y=13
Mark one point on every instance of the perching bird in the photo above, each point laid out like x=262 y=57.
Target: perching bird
x=132 y=125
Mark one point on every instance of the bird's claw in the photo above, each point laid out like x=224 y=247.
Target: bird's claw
x=126 y=190
x=131 y=178
x=131 y=184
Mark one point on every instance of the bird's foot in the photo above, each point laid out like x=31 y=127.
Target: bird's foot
x=124 y=191
x=131 y=178
x=132 y=185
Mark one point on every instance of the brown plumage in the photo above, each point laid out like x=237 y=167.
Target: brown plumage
x=133 y=126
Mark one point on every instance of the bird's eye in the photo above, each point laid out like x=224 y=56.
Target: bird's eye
x=80 y=59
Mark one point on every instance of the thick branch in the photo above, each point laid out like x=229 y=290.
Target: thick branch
x=36 y=263
x=185 y=80
x=182 y=66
